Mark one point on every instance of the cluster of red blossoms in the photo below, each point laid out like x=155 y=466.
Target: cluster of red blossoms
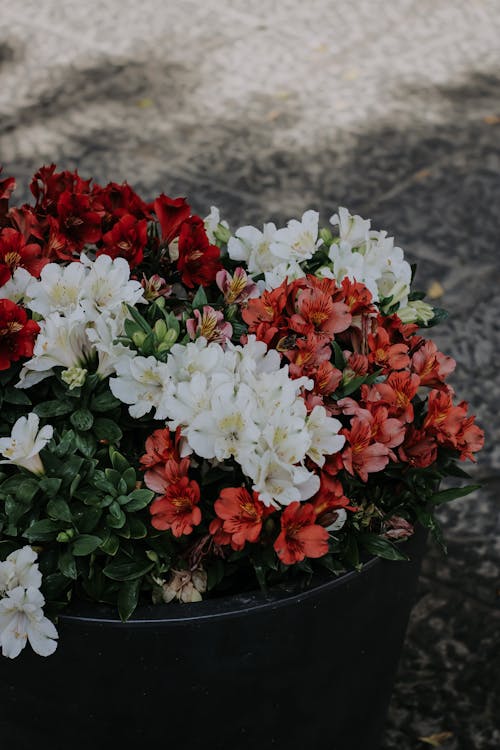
x=313 y=322
x=70 y=213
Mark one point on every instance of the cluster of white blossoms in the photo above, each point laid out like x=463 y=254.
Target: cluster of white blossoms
x=276 y=253
x=81 y=309
x=21 y=606
x=25 y=442
x=368 y=256
x=236 y=403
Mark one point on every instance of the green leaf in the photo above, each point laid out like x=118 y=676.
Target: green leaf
x=127 y=570
x=86 y=443
x=380 y=547
x=200 y=299
x=139 y=499
x=439 y=315
x=58 y=510
x=138 y=529
x=42 y=531
x=67 y=565
x=452 y=494
x=118 y=462
x=104 y=402
x=353 y=385
x=106 y=429
x=339 y=359
x=128 y=597
x=50 y=485
x=85 y=544
x=130 y=478
x=82 y=420
x=53 y=408
x=26 y=489
x=86 y=519
x=110 y=545
x=17 y=397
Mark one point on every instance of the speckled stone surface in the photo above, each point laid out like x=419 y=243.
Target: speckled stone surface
x=266 y=108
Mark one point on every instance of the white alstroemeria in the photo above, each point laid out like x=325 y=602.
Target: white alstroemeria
x=58 y=290
x=252 y=246
x=184 y=360
x=102 y=334
x=298 y=241
x=20 y=568
x=285 y=434
x=15 y=288
x=416 y=311
x=349 y=264
x=186 y=400
x=324 y=434
x=140 y=382
x=353 y=230
x=341 y=518
x=108 y=287
x=280 y=484
x=228 y=427
x=62 y=342
x=22 y=620
x=255 y=358
x=211 y=223
x=290 y=270
x=25 y=443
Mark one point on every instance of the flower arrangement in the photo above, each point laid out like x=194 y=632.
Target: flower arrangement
x=188 y=411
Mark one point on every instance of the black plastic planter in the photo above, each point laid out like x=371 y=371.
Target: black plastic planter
x=289 y=670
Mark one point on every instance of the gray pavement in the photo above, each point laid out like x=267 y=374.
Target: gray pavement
x=267 y=108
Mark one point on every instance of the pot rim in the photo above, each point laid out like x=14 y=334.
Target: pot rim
x=228 y=606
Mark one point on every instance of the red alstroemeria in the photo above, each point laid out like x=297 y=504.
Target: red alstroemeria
x=383 y=354
x=329 y=499
x=161 y=476
x=7 y=186
x=264 y=315
x=115 y=201
x=363 y=456
x=396 y=393
x=305 y=354
x=419 y=448
x=300 y=535
x=327 y=378
x=177 y=509
x=127 y=239
x=316 y=311
x=470 y=438
x=431 y=365
x=242 y=514
x=357 y=297
x=17 y=333
x=198 y=261
x=162 y=460
x=15 y=253
x=171 y=213
x=79 y=223
x=451 y=425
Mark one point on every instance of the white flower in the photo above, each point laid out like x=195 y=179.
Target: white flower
x=323 y=431
x=140 y=382
x=416 y=311
x=20 y=569
x=299 y=240
x=253 y=247
x=62 y=342
x=211 y=223
x=352 y=229
x=340 y=519
x=58 y=290
x=22 y=620
x=25 y=443
x=108 y=287
x=290 y=270
x=15 y=288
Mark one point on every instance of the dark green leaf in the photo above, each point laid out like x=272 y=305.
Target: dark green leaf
x=42 y=531
x=139 y=499
x=82 y=420
x=452 y=494
x=110 y=545
x=26 y=489
x=339 y=358
x=138 y=529
x=58 y=509
x=50 y=485
x=128 y=597
x=380 y=547
x=67 y=565
x=106 y=429
x=118 y=461
x=104 y=402
x=127 y=570
x=15 y=396
x=200 y=299
x=85 y=544
x=86 y=443
x=53 y=408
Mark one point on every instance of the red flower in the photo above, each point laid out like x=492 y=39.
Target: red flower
x=48 y=185
x=316 y=311
x=15 y=253
x=127 y=239
x=178 y=508
x=363 y=456
x=17 y=333
x=329 y=499
x=242 y=514
x=79 y=223
x=264 y=314
x=357 y=297
x=115 y=201
x=171 y=213
x=198 y=261
x=7 y=186
x=419 y=448
x=384 y=354
x=431 y=365
x=163 y=461
x=396 y=393
x=300 y=535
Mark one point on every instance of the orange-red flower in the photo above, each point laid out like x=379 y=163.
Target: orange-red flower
x=396 y=393
x=177 y=509
x=419 y=448
x=163 y=461
x=15 y=253
x=363 y=455
x=242 y=514
x=431 y=365
x=316 y=311
x=300 y=535
x=384 y=354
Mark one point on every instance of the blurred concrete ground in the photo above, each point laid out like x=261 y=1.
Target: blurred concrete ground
x=267 y=108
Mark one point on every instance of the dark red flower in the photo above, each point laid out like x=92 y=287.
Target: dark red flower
x=115 y=201
x=171 y=213
x=7 y=186
x=127 y=240
x=198 y=261
x=15 y=253
x=78 y=222
x=48 y=185
x=17 y=333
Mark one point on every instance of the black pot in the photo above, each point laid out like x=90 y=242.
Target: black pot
x=312 y=669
